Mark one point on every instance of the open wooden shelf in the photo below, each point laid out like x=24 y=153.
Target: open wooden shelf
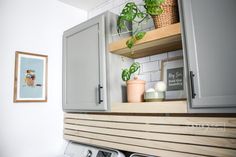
x=150 y=107
x=155 y=42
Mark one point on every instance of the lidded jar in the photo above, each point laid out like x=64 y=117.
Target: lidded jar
x=135 y=90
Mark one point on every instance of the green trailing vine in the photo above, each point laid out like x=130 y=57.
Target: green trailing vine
x=131 y=13
x=128 y=14
x=126 y=73
x=130 y=43
x=153 y=7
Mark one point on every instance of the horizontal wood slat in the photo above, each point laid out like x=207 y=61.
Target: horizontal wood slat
x=157 y=145
x=169 y=120
x=217 y=136
x=186 y=130
x=147 y=138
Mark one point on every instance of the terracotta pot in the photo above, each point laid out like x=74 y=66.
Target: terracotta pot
x=135 y=90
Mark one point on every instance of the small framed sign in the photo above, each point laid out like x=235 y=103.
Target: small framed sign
x=30 y=83
x=172 y=73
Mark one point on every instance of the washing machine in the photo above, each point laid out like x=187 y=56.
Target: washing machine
x=80 y=150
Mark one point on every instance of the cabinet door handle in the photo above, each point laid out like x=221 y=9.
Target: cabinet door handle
x=192 y=84
x=99 y=94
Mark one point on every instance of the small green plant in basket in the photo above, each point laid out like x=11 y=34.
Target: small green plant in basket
x=153 y=7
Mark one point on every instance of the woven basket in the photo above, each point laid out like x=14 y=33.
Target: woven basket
x=169 y=16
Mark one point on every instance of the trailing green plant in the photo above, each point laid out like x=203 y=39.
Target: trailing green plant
x=126 y=73
x=153 y=7
x=131 y=13
x=138 y=36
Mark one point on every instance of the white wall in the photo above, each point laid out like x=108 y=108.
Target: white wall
x=33 y=129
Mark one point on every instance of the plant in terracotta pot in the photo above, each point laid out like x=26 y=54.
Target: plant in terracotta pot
x=135 y=87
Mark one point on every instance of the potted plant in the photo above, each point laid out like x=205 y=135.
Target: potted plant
x=163 y=12
x=135 y=87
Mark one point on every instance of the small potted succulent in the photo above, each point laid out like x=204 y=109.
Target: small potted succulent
x=135 y=87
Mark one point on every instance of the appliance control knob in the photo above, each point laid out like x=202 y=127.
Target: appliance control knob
x=89 y=154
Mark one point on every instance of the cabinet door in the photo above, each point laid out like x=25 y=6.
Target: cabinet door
x=84 y=80
x=209 y=28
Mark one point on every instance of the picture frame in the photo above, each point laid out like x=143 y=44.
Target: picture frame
x=172 y=73
x=30 y=83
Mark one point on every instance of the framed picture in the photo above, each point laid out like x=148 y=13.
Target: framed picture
x=30 y=83
x=172 y=73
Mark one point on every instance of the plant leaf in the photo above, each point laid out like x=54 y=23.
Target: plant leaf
x=130 y=42
x=128 y=14
x=140 y=35
x=134 y=67
x=125 y=75
x=153 y=7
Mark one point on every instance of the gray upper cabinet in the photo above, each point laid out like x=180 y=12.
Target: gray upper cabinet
x=209 y=37
x=84 y=69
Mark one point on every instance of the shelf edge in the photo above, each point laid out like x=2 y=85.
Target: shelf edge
x=150 y=107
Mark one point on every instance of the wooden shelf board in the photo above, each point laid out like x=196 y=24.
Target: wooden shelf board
x=156 y=41
x=150 y=107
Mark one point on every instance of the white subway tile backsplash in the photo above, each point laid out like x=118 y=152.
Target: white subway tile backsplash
x=175 y=53
x=158 y=57
x=160 y=63
x=146 y=77
x=149 y=85
x=141 y=68
x=150 y=66
x=142 y=60
x=156 y=76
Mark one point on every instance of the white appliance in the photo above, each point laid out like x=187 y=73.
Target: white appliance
x=80 y=150
x=141 y=155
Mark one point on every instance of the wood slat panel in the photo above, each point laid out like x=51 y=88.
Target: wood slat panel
x=217 y=132
x=219 y=142
x=132 y=148
x=218 y=152
x=224 y=122
x=162 y=134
